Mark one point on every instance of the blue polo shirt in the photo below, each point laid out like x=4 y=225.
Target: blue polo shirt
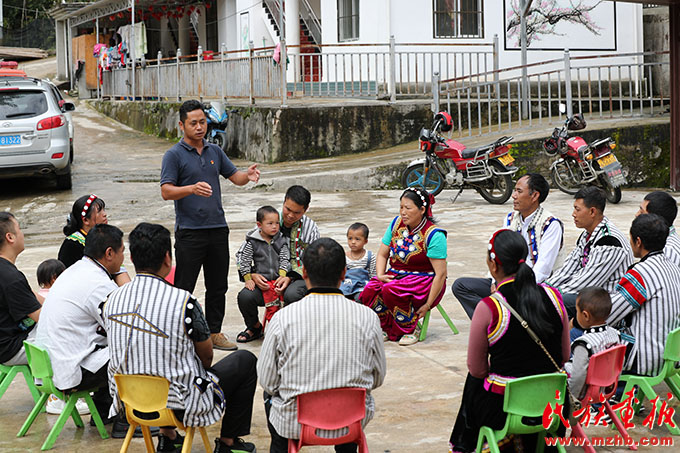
x=183 y=166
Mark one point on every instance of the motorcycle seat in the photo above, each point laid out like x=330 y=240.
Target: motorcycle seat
x=472 y=152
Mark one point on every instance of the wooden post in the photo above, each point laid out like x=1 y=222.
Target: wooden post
x=674 y=46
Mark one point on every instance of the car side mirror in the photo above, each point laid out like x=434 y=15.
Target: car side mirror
x=68 y=106
x=563 y=108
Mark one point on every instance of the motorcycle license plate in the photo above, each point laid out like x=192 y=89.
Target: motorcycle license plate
x=506 y=159
x=607 y=160
x=613 y=170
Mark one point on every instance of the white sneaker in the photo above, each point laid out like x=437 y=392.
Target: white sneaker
x=55 y=406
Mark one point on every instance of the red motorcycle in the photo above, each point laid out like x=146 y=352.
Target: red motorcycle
x=580 y=164
x=487 y=169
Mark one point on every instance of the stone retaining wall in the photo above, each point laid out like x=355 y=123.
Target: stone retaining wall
x=264 y=134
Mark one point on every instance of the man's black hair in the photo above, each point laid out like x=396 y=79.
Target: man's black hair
x=49 y=270
x=263 y=211
x=189 y=106
x=596 y=301
x=149 y=244
x=100 y=238
x=537 y=183
x=299 y=195
x=652 y=230
x=593 y=197
x=324 y=262
x=6 y=225
x=663 y=204
x=358 y=226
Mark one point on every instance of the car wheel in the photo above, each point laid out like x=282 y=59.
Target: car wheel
x=64 y=181
x=70 y=151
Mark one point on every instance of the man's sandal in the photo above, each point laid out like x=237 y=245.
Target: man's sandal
x=245 y=336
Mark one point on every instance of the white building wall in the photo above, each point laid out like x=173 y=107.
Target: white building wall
x=412 y=22
x=227 y=28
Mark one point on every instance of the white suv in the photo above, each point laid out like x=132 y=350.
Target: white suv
x=34 y=133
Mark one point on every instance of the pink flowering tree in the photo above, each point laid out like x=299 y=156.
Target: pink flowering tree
x=544 y=15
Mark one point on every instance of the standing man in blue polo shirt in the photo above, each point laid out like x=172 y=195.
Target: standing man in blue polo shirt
x=190 y=175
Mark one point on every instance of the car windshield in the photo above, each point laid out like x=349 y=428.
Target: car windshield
x=22 y=104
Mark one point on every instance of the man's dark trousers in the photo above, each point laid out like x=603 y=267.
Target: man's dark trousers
x=208 y=248
x=469 y=291
x=237 y=375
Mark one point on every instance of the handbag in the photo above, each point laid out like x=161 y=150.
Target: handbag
x=575 y=403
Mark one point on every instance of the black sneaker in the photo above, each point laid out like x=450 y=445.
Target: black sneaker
x=239 y=447
x=165 y=444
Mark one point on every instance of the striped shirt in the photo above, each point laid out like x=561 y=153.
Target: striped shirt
x=646 y=307
x=599 y=259
x=672 y=249
x=362 y=262
x=149 y=323
x=321 y=342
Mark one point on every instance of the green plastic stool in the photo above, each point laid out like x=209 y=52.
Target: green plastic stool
x=669 y=374
x=7 y=374
x=527 y=397
x=426 y=322
x=39 y=363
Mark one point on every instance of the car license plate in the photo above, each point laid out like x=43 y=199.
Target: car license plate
x=6 y=140
x=606 y=160
x=506 y=159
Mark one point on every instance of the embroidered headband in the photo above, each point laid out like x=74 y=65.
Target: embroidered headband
x=427 y=199
x=87 y=205
x=492 y=249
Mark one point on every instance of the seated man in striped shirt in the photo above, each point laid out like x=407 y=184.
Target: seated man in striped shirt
x=646 y=306
x=663 y=204
x=324 y=341
x=157 y=329
x=602 y=253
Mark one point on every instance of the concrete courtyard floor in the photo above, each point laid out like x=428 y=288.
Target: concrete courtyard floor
x=418 y=403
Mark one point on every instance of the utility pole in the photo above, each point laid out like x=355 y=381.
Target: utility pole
x=2 y=20
x=525 y=6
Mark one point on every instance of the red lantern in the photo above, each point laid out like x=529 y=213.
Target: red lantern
x=120 y=14
x=151 y=9
x=112 y=17
x=207 y=6
x=164 y=8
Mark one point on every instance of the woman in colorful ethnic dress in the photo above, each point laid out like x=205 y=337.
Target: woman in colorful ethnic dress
x=499 y=348
x=416 y=278
x=87 y=211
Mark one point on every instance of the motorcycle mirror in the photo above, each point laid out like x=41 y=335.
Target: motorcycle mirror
x=563 y=108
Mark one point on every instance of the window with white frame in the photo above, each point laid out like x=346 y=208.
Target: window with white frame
x=458 y=18
x=348 y=20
